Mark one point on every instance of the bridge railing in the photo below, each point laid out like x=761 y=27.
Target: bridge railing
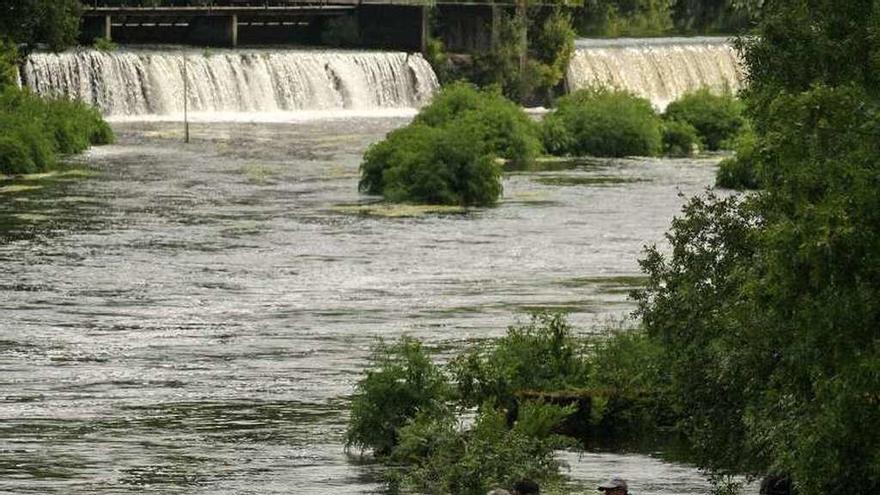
x=222 y=4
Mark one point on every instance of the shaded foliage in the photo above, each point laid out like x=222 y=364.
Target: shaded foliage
x=29 y=22
x=717 y=117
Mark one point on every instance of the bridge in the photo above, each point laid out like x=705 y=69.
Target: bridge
x=395 y=24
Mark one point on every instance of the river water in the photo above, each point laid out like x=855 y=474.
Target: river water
x=192 y=318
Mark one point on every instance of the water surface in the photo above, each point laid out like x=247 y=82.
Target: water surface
x=192 y=318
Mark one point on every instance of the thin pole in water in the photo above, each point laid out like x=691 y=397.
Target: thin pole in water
x=185 y=102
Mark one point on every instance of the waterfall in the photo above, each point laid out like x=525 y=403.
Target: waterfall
x=135 y=82
x=659 y=69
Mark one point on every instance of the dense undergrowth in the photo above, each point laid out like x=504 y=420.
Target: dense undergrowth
x=410 y=412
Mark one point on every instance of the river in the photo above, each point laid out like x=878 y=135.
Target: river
x=192 y=318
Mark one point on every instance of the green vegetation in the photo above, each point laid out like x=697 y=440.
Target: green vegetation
x=36 y=130
x=640 y=18
x=741 y=170
x=602 y=122
x=448 y=155
x=717 y=117
x=680 y=139
x=105 y=45
x=405 y=409
x=766 y=307
x=529 y=56
x=29 y=22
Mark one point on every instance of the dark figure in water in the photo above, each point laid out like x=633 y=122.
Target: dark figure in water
x=526 y=487
x=614 y=486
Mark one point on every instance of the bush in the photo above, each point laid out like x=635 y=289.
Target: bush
x=104 y=45
x=680 y=139
x=602 y=122
x=44 y=128
x=401 y=383
x=448 y=154
x=741 y=170
x=542 y=355
x=443 y=459
x=717 y=117
x=8 y=64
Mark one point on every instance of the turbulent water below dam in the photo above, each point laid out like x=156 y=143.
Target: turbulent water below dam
x=193 y=318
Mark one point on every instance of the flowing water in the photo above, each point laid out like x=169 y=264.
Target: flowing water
x=139 y=82
x=193 y=318
x=660 y=69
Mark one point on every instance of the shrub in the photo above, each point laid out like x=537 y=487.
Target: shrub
x=15 y=157
x=602 y=122
x=401 y=383
x=444 y=459
x=680 y=139
x=8 y=64
x=542 y=355
x=104 y=45
x=447 y=155
x=741 y=170
x=44 y=128
x=717 y=117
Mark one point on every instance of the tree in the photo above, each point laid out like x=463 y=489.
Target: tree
x=768 y=307
x=29 y=22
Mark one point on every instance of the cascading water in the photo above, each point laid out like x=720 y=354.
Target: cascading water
x=659 y=69
x=151 y=82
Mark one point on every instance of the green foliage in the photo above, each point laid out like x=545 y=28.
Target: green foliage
x=766 y=307
x=448 y=154
x=473 y=461
x=105 y=45
x=401 y=383
x=717 y=117
x=742 y=170
x=36 y=130
x=8 y=64
x=529 y=56
x=29 y=22
x=642 y=18
x=680 y=139
x=602 y=122
x=542 y=355
x=436 y=55
x=341 y=31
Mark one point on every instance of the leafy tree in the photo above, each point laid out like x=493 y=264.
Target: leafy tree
x=29 y=22
x=767 y=307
